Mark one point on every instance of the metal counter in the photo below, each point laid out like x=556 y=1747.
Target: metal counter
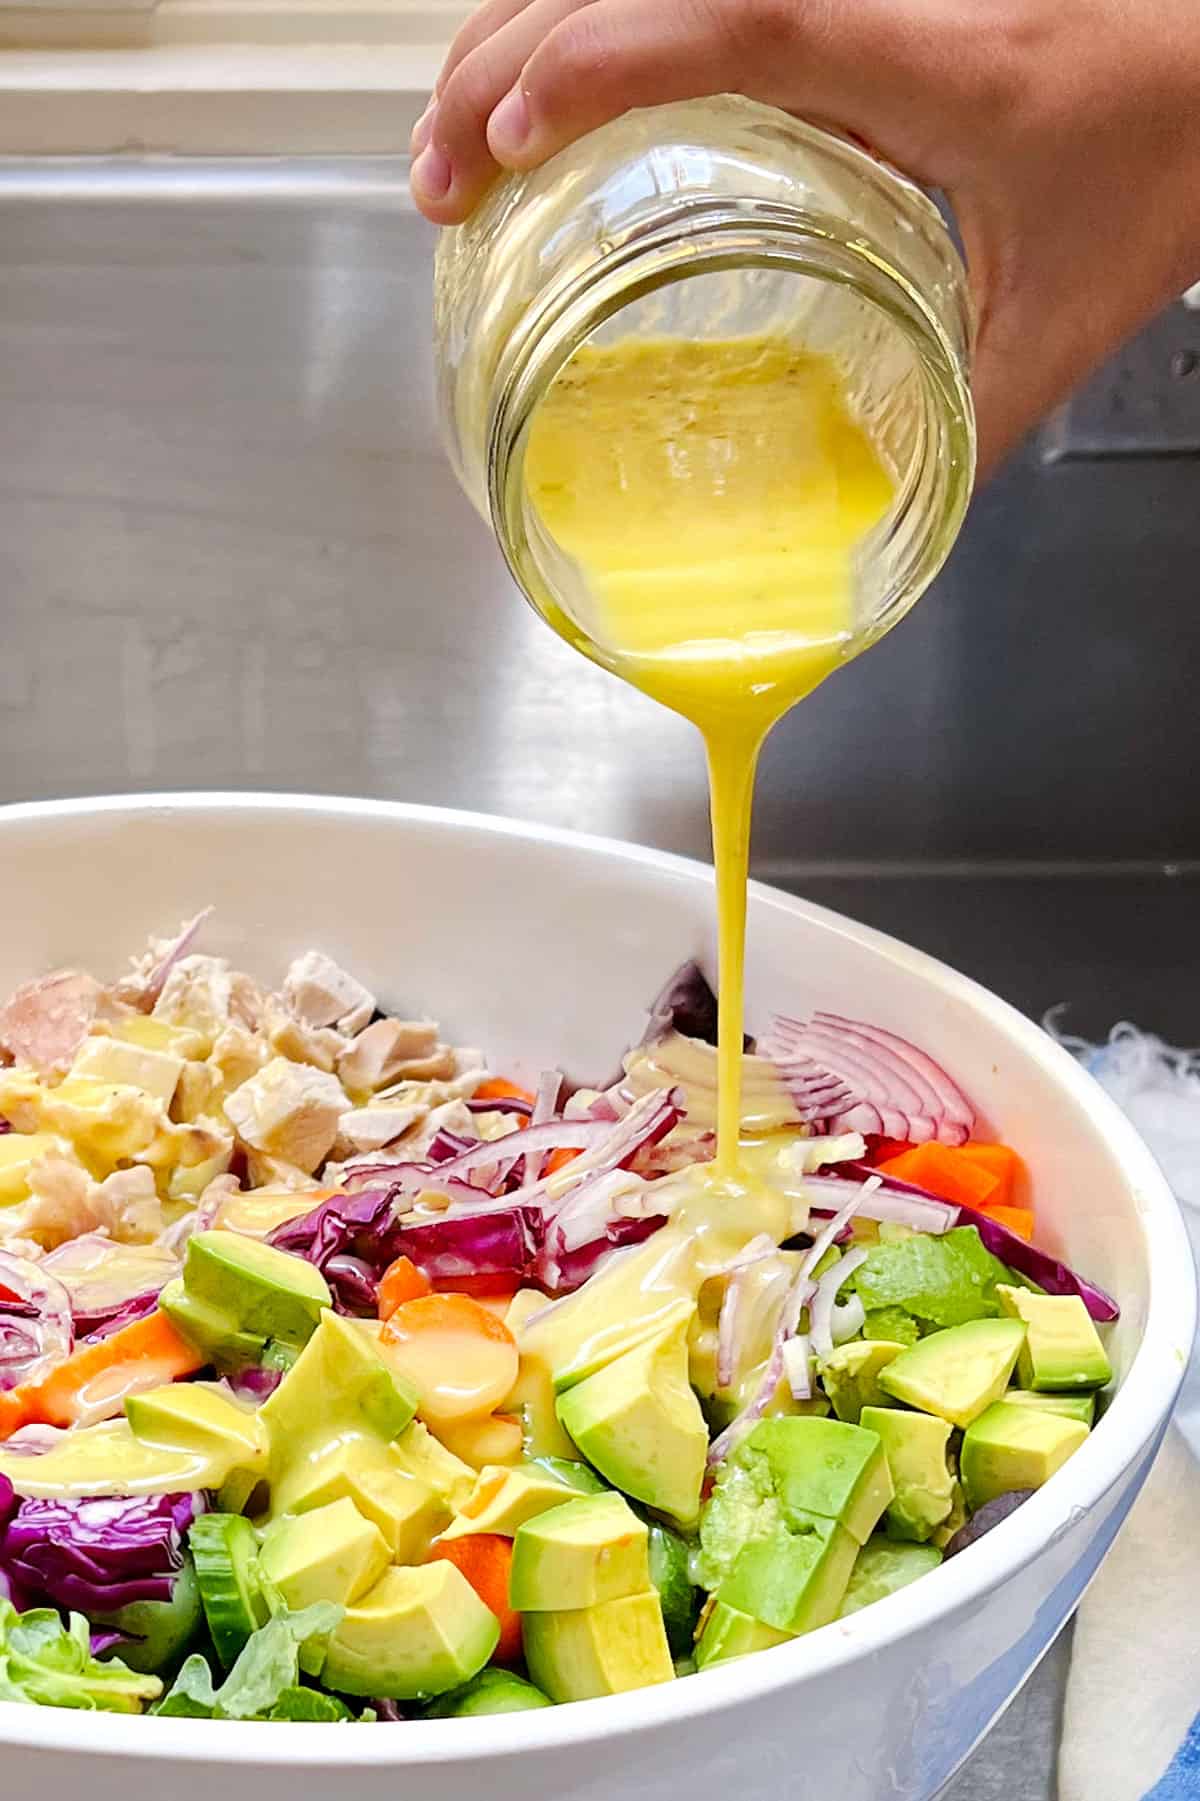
x=232 y=555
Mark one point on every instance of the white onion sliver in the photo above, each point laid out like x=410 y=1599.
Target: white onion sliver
x=821 y=1310
x=880 y=1202
x=727 y=1322
x=797 y=1366
x=545 y=1103
x=849 y=1318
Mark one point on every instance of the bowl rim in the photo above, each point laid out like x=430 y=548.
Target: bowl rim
x=1124 y=1438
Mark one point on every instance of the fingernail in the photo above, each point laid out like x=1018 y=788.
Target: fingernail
x=431 y=174
x=422 y=131
x=508 y=127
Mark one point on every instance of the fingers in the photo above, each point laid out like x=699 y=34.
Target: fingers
x=484 y=23
x=454 y=164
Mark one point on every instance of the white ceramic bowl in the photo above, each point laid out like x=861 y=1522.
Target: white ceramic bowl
x=545 y=948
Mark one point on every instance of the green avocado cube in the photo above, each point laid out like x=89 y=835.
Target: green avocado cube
x=638 y=1421
x=587 y=1551
x=1072 y=1407
x=915 y=1445
x=727 y=1634
x=1009 y=1448
x=795 y=1579
x=850 y=1375
x=959 y=1372
x=823 y=1467
x=601 y=1650
x=338 y=1383
x=1062 y=1348
x=503 y=1499
x=358 y=1468
x=417 y=1633
x=213 y=1330
x=266 y=1290
x=331 y=1554
x=883 y=1567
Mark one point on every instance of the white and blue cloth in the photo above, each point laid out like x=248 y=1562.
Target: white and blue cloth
x=1131 y=1728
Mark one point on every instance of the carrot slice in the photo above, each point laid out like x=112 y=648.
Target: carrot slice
x=1017 y=1219
x=14 y=1411
x=401 y=1281
x=946 y=1172
x=497 y=1088
x=92 y=1383
x=485 y=1559
x=559 y=1159
x=1001 y=1161
x=459 y=1356
x=456 y=1313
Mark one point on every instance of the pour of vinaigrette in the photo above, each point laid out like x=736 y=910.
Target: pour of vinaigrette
x=713 y=494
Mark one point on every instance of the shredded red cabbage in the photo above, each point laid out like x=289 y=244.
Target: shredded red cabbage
x=91 y=1327
x=95 y=1556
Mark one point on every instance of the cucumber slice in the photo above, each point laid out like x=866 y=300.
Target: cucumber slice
x=492 y=1691
x=158 y=1633
x=225 y=1550
x=671 y=1577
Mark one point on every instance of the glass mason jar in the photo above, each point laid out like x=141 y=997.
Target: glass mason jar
x=711 y=219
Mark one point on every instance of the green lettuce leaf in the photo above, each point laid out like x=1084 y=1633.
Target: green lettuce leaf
x=267 y=1670
x=939 y=1281
x=44 y=1662
x=309 y=1704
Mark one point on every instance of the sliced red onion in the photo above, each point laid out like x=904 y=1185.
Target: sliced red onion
x=797 y=1366
x=573 y=1268
x=545 y=1104
x=820 y=1312
x=353 y=1283
x=444 y=1146
x=255 y=1383
x=36 y=1327
x=883 y=1199
x=507 y=1103
x=858 y=1077
x=5 y=1125
x=612 y=1146
x=176 y=948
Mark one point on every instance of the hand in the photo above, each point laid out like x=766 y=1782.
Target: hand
x=1063 y=131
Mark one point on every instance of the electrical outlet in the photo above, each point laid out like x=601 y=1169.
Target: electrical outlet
x=1144 y=402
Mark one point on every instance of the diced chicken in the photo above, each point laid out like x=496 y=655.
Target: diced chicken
x=380 y=1053
x=108 y=1123
x=370 y=1128
x=237 y=1055
x=65 y=1202
x=127 y=1207
x=44 y=1022
x=278 y=1173
x=289 y=1110
x=321 y=993
x=197 y=993
x=110 y=1060
x=288 y=1036
x=198 y=1082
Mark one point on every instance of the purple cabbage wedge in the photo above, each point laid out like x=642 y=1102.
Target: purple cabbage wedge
x=96 y=1556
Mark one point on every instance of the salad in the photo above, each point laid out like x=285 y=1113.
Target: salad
x=345 y=1379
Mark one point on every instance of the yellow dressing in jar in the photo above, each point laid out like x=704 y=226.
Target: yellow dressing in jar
x=714 y=494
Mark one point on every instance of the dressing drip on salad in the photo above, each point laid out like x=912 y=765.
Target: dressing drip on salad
x=346 y=1379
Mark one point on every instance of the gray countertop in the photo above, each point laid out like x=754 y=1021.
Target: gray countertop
x=232 y=555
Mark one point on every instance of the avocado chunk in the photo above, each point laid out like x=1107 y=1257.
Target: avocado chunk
x=882 y=1568
x=639 y=1423
x=503 y=1499
x=339 y=1381
x=200 y=1418
x=532 y=1395
x=417 y=1633
x=588 y=1550
x=492 y=1691
x=574 y=1474
x=954 y=1521
x=727 y=1634
x=360 y=1469
x=600 y=1650
x=418 y=1453
x=959 y=1372
x=1014 y=1448
x=263 y=1290
x=915 y=1445
x=330 y=1554
x=1072 y=1407
x=850 y=1375
x=825 y=1467
x=794 y=1579
x=211 y=1329
x=1062 y=1348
